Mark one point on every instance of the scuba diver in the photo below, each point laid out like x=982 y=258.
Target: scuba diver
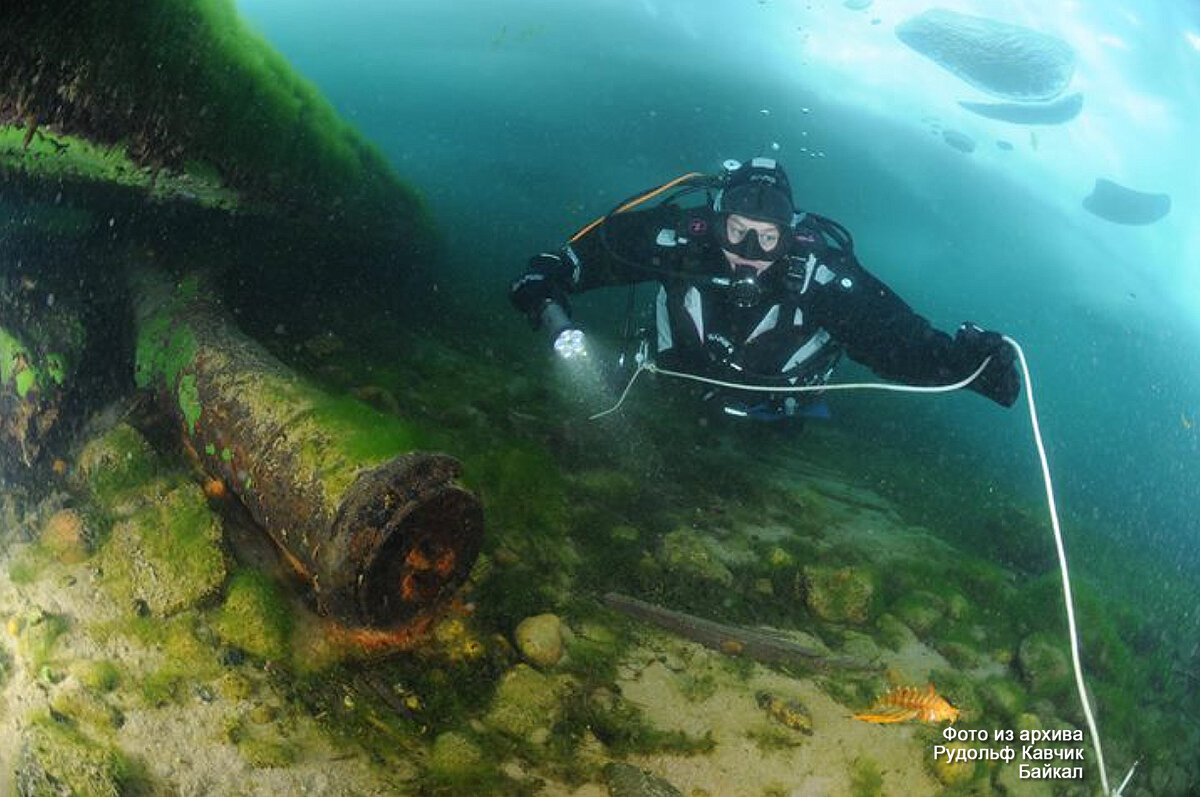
x=753 y=293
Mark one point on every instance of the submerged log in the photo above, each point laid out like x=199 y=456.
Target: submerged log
x=382 y=533
x=760 y=645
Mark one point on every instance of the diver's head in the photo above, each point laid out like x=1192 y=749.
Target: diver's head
x=755 y=215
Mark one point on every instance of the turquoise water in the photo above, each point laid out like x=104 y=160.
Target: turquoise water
x=907 y=531
x=523 y=120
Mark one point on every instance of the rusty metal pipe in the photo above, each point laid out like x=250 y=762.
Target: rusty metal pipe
x=383 y=533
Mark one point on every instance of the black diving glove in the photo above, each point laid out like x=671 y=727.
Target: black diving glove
x=540 y=285
x=999 y=381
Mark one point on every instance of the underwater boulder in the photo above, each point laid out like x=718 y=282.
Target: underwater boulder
x=894 y=633
x=455 y=758
x=838 y=595
x=857 y=5
x=685 y=554
x=1055 y=112
x=920 y=611
x=116 y=461
x=65 y=536
x=525 y=701
x=167 y=556
x=626 y=780
x=1116 y=203
x=540 y=640
x=1044 y=665
x=1004 y=697
x=1007 y=61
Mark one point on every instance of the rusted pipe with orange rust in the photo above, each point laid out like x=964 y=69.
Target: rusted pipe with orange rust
x=383 y=533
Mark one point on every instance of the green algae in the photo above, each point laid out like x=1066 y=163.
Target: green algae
x=866 y=779
x=261 y=743
x=19 y=366
x=56 y=758
x=58 y=156
x=115 y=463
x=839 y=595
x=24 y=382
x=254 y=616
x=185 y=656
x=163 y=350
x=38 y=639
x=620 y=725
x=456 y=761
x=99 y=675
x=189 y=402
x=339 y=437
x=167 y=556
x=10 y=350
x=86 y=708
x=218 y=99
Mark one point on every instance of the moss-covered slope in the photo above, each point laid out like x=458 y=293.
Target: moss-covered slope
x=183 y=85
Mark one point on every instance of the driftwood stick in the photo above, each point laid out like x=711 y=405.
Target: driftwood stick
x=762 y=646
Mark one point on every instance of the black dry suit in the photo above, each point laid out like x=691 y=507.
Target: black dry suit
x=787 y=327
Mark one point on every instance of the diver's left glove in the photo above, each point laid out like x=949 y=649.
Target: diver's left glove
x=999 y=381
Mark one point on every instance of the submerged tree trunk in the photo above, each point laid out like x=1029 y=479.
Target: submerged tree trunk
x=382 y=533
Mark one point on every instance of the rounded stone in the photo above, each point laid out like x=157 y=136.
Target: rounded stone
x=540 y=639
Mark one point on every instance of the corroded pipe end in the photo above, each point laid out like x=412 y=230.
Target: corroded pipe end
x=425 y=560
x=405 y=538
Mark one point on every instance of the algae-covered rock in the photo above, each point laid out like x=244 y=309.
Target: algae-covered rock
x=254 y=617
x=685 y=554
x=838 y=595
x=459 y=640
x=626 y=780
x=1011 y=784
x=1004 y=697
x=893 y=632
x=525 y=701
x=55 y=759
x=960 y=654
x=117 y=460
x=540 y=640
x=1044 y=665
x=859 y=646
x=454 y=757
x=65 y=536
x=167 y=556
x=920 y=611
x=952 y=772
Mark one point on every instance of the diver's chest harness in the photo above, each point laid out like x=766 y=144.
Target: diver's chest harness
x=761 y=333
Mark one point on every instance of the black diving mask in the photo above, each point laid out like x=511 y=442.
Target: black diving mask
x=750 y=243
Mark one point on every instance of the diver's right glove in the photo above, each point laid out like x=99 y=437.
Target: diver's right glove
x=999 y=381
x=543 y=282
